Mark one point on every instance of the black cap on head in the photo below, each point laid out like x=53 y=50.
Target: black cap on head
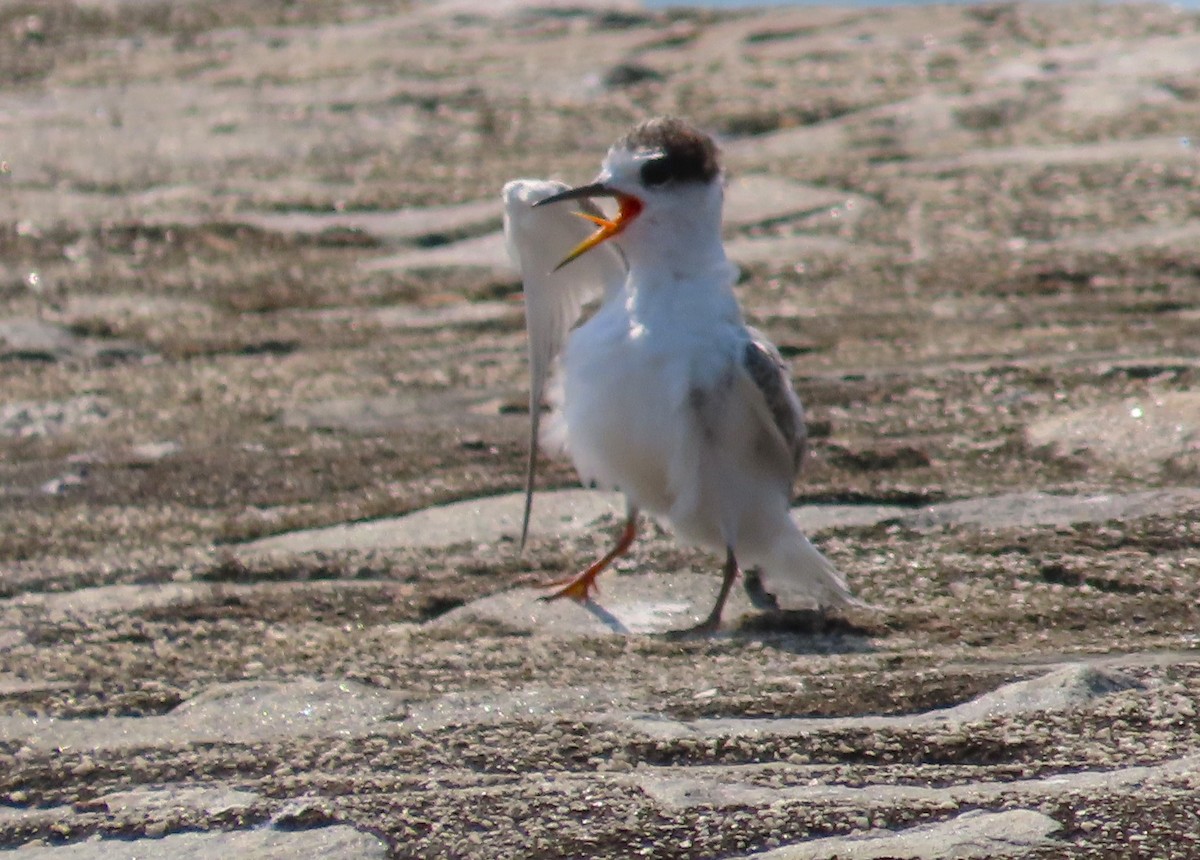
x=688 y=154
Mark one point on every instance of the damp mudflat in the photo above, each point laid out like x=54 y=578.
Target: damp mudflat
x=262 y=417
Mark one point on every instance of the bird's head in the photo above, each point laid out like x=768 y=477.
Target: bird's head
x=666 y=180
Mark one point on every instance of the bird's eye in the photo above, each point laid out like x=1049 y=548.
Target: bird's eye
x=656 y=172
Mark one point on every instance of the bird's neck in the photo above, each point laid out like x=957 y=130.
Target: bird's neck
x=675 y=287
x=678 y=250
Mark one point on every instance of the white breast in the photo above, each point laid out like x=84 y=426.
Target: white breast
x=629 y=373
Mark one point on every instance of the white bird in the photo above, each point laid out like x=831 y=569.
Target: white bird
x=664 y=393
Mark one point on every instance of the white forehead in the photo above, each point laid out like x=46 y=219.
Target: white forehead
x=627 y=162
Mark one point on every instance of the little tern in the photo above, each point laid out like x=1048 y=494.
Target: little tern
x=663 y=393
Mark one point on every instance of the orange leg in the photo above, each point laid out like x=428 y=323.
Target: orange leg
x=581 y=587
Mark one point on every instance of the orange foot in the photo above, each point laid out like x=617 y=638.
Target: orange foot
x=580 y=588
x=583 y=586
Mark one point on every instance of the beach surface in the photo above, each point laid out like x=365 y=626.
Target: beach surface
x=263 y=414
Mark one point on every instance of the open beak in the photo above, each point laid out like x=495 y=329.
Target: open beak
x=628 y=208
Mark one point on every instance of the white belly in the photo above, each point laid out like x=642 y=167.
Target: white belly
x=626 y=412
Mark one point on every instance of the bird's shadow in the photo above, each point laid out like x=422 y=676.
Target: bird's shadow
x=802 y=631
x=606 y=618
x=806 y=631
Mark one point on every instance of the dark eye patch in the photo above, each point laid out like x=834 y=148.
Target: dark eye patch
x=656 y=172
x=679 y=152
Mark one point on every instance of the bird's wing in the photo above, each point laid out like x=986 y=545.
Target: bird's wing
x=796 y=572
x=776 y=404
x=538 y=240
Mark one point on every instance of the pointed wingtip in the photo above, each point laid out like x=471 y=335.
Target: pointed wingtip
x=530 y=468
x=525 y=520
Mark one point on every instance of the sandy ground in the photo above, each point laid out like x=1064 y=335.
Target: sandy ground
x=250 y=285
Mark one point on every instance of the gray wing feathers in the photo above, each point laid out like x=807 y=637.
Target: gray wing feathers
x=795 y=571
x=769 y=373
x=537 y=240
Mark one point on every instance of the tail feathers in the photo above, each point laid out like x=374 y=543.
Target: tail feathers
x=798 y=575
